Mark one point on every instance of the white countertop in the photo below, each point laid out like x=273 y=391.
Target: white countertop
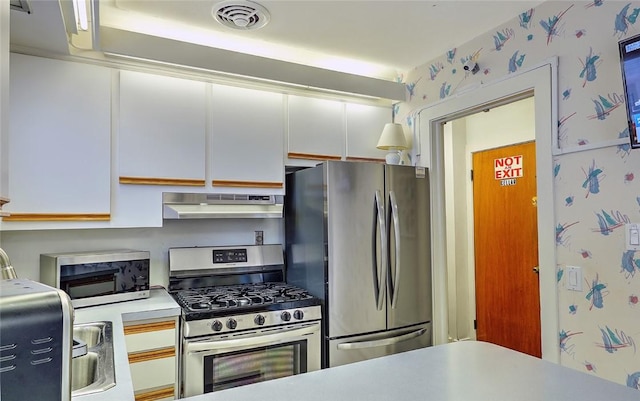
x=159 y=305
x=469 y=370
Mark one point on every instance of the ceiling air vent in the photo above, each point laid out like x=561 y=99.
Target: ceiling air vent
x=243 y=15
x=20 y=5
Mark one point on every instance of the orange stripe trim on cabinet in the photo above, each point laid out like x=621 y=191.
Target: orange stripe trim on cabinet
x=161 y=353
x=149 y=327
x=153 y=395
x=365 y=159
x=312 y=156
x=162 y=181
x=57 y=217
x=246 y=184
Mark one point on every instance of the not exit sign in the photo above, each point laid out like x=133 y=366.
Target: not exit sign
x=508 y=167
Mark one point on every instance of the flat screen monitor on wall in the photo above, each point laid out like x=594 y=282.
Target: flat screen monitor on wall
x=630 y=63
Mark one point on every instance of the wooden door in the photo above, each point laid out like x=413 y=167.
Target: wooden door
x=506 y=247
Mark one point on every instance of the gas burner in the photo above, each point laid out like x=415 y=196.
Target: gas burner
x=199 y=306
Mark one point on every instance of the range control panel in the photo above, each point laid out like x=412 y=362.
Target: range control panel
x=229 y=255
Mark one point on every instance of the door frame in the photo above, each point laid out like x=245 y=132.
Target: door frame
x=541 y=82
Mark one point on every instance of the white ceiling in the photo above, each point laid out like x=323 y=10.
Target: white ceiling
x=372 y=38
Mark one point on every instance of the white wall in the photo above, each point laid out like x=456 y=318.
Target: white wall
x=24 y=247
x=594 y=171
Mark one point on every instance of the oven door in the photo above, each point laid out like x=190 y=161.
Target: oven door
x=220 y=362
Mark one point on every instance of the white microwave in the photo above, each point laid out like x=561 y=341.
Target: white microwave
x=98 y=277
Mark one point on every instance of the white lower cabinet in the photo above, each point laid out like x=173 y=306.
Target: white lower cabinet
x=153 y=358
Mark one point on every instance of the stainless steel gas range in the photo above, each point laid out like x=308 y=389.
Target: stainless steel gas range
x=241 y=323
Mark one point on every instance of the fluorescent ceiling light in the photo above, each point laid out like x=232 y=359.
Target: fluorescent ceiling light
x=80 y=11
x=149 y=25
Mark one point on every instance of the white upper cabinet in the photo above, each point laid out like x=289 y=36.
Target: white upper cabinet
x=59 y=144
x=364 y=126
x=247 y=142
x=316 y=128
x=162 y=130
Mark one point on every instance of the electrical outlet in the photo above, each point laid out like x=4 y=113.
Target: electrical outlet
x=259 y=237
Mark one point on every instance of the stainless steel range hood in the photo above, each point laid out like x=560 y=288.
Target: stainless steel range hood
x=220 y=206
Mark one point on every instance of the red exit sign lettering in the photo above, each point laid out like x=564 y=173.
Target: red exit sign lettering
x=508 y=167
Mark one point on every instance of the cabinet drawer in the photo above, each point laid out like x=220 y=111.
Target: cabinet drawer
x=153 y=373
x=150 y=336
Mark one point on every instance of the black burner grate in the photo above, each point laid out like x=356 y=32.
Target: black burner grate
x=239 y=296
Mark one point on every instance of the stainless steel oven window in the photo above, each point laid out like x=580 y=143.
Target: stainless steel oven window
x=200 y=356
x=254 y=365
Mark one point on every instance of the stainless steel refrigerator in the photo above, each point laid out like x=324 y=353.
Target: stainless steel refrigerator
x=358 y=237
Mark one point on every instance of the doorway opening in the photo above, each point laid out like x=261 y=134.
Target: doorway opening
x=464 y=137
x=540 y=84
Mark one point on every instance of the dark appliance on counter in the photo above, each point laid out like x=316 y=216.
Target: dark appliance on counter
x=629 y=50
x=98 y=277
x=240 y=322
x=358 y=237
x=36 y=326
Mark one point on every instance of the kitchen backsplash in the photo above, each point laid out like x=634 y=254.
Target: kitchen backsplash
x=597 y=190
x=24 y=247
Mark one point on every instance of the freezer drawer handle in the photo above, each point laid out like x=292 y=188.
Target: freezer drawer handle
x=383 y=342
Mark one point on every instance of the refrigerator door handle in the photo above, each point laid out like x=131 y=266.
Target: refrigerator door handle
x=395 y=215
x=378 y=273
x=383 y=342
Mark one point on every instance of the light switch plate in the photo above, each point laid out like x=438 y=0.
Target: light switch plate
x=632 y=237
x=573 y=278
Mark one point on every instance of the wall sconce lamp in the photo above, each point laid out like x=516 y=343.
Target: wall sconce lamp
x=393 y=140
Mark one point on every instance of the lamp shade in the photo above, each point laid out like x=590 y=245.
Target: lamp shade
x=392 y=137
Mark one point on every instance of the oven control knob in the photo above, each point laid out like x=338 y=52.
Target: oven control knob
x=259 y=320
x=286 y=316
x=298 y=314
x=216 y=325
x=232 y=323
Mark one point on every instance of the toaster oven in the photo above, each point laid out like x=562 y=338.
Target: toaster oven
x=94 y=278
x=35 y=342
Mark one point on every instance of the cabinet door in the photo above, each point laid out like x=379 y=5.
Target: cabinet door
x=247 y=140
x=364 y=126
x=162 y=130
x=59 y=143
x=316 y=128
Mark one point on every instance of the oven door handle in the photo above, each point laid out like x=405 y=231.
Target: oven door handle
x=253 y=341
x=383 y=342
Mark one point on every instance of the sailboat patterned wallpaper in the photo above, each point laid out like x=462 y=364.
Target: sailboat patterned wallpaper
x=597 y=188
